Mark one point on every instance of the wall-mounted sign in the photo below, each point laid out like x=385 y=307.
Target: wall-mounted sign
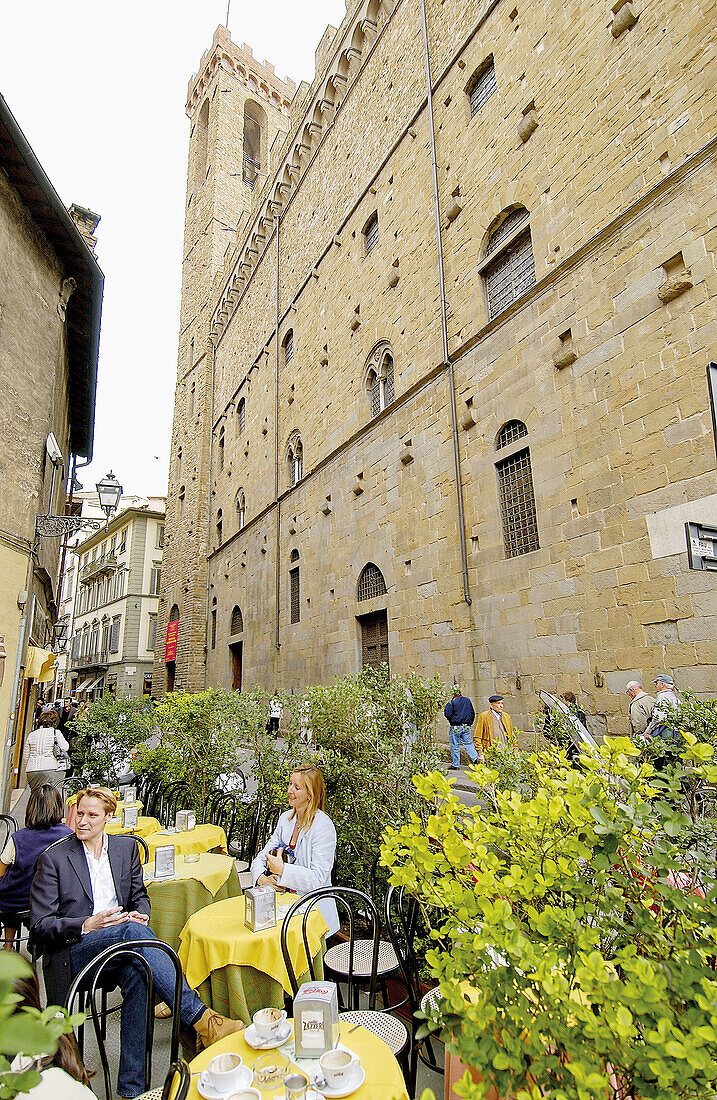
x=170 y=648
x=701 y=546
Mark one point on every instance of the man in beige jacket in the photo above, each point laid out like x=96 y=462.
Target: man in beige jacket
x=493 y=727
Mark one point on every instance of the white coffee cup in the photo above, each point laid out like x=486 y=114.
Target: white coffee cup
x=268 y=1022
x=339 y=1066
x=224 y=1072
x=248 y=1093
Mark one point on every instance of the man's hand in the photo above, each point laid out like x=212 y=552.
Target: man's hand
x=139 y=918
x=108 y=918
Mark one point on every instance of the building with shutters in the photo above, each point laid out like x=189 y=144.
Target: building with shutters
x=116 y=577
x=441 y=397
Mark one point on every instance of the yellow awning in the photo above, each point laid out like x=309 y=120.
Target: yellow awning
x=40 y=664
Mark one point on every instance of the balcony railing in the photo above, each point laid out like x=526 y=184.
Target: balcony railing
x=95 y=658
x=107 y=564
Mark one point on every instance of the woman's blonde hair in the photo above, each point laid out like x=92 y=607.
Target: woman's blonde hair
x=104 y=794
x=316 y=788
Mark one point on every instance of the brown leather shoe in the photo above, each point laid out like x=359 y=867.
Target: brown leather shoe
x=211 y=1027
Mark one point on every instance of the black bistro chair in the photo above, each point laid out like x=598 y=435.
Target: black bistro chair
x=8 y=825
x=176 y=1084
x=356 y=907
x=100 y=976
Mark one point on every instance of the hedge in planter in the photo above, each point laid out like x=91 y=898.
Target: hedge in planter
x=605 y=986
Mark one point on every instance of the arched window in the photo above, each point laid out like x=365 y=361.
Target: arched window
x=515 y=489
x=181 y=497
x=174 y=614
x=481 y=85
x=221 y=447
x=241 y=416
x=295 y=459
x=370 y=233
x=192 y=396
x=219 y=527
x=241 y=509
x=255 y=126
x=201 y=144
x=295 y=587
x=509 y=268
x=214 y=622
x=237 y=623
x=179 y=463
x=288 y=346
x=378 y=378
x=370 y=583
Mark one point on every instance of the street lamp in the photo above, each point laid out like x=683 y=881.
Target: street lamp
x=109 y=492
x=59 y=632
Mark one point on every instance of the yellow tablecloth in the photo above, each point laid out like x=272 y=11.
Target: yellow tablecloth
x=210 y=869
x=384 y=1080
x=217 y=937
x=201 y=839
x=145 y=827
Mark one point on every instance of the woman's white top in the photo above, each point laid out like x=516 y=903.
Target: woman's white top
x=57 y=1085
x=39 y=756
x=315 y=853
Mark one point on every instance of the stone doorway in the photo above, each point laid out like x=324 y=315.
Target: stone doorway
x=236 y=651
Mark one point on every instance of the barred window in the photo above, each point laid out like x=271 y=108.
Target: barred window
x=517 y=504
x=370 y=233
x=512 y=430
x=374 y=640
x=510 y=274
x=295 y=458
x=482 y=85
x=174 y=614
x=289 y=346
x=241 y=509
x=214 y=623
x=505 y=226
x=221 y=447
x=295 y=592
x=220 y=525
x=241 y=416
x=379 y=378
x=371 y=583
x=181 y=498
x=237 y=623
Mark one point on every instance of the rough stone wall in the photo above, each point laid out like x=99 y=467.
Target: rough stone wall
x=619 y=434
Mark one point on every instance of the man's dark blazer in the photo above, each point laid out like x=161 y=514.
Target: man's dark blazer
x=61 y=901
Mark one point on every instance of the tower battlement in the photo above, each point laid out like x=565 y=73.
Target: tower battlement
x=260 y=76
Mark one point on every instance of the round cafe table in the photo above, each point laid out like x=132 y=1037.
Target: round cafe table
x=203 y=838
x=236 y=971
x=384 y=1080
x=195 y=886
x=145 y=827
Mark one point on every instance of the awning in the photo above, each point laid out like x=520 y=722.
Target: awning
x=93 y=683
x=82 y=686
x=40 y=664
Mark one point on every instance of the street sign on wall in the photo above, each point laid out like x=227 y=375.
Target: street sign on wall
x=701 y=546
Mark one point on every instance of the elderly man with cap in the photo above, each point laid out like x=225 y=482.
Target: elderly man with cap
x=461 y=716
x=641 y=707
x=660 y=724
x=494 y=727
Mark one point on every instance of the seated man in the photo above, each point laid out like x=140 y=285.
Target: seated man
x=88 y=894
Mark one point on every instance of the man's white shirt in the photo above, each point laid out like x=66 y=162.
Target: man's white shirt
x=104 y=895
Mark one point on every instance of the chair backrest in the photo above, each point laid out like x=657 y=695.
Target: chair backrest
x=71 y=785
x=358 y=909
x=404 y=921
x=8 y=825
x=88 y=984
x=177 y=1081
x=143 y=847
x=245 y=827
x=169 y=797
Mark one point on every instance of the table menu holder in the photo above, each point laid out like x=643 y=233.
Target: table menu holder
x=130 y=795
x=260 y=908
x=185 y=821
x=130 y=814
x=316 y=1019
x=164 y=861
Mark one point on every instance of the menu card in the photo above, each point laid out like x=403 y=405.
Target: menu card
x=164 y=861
x=130 y=795
x=130 y=815
x=185 y=820
x=260 y=908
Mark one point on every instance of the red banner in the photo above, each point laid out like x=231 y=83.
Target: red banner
x=170 y=648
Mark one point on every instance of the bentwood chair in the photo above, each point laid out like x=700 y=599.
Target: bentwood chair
x=355 y=907
x=101 y=975
x=176 y=1084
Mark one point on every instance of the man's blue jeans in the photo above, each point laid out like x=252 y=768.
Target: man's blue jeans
x=130 y=977
x=461 y=735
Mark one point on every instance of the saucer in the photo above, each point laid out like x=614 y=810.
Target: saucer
x=207 y=1090
x=258 y=1043
x=354 y=1082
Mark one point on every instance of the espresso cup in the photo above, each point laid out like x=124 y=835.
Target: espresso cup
x=269 y=1022
x=248 y=1093
x=338 y=1067
x=224 y=1072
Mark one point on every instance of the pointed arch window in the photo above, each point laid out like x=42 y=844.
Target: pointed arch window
x=192 y=398
x=370 y=233
x=516 y=493
x=509 y=267
x=371 y=583
x=179 y=463
x=241 y=509
x=288 y=346
x=482 y=85
x=295 y=587
x=220 y=525
x=221 y=447
x=255 y=128
x=237 y=622
x=214 y=623
x=241 y=416
x=295 y=459
x=181 y=498
x=379 y=378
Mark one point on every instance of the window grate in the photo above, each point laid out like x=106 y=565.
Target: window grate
x=289 y=346
x=512 y=222
x=510 y=275
x=242 y=415
x=237 y=625
x=514 y=429
x=371 y=233
x=388 y=393
x=374 y=640
x=375 y=393
x=517 y=504
x=295 y=588
x=251 y=170
x=371 y=583
x=483 y=86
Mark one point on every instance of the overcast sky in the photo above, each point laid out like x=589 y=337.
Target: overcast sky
x=99 y=90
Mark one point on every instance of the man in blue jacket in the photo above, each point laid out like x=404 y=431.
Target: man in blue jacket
x=461 y=716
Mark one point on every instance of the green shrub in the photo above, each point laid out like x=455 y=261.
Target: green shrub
x=107 y=735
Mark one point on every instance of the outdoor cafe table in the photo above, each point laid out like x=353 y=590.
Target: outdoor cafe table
x=384 y=1080
x=145 y=827
x=235 y=971
x=203 y=838
x=195 y=885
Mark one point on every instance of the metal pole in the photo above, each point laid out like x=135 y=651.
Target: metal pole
x=444 y=324
x=277 y=641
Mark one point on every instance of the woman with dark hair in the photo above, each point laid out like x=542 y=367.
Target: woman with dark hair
x=63 y=1074
x=41 y=763
x=43 y=826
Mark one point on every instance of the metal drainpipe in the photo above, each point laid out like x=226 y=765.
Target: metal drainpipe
x=207 y=636
x=277 y=643
x=444 y=325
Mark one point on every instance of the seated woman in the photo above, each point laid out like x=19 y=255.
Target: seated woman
x=63 y=1074
x=308 y=837
x=43 y=826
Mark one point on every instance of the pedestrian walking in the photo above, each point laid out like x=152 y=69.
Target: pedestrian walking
x=461 y=716
x=275 y=713
x=660 y=724
x=640 y=708
x=494 y=727
x=45 y=755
